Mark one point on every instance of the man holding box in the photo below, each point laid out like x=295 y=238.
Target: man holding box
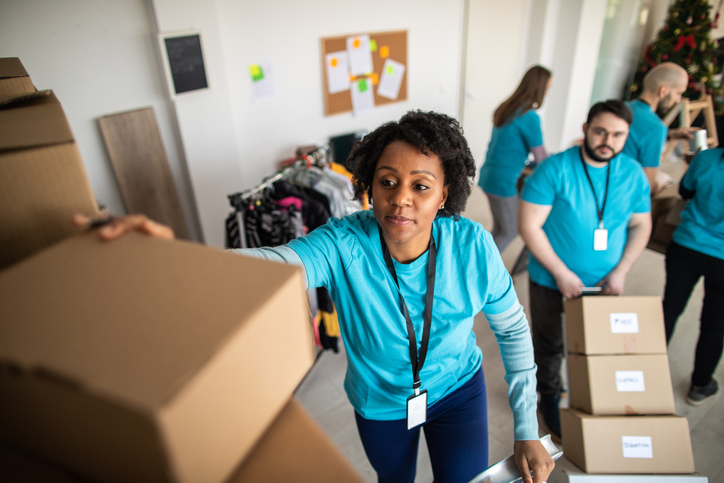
x=585 y=217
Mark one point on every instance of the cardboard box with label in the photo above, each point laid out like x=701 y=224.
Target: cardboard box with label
x=567 y=472
x=615 y=325
x=147 y=360
x=14 y=79
x=627 y=444
x=621 y=384
x=42 y=178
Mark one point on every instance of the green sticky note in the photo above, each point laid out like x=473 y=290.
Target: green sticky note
x=362 y=85
x=373 y=45
x=256 y=72
x=390 y=69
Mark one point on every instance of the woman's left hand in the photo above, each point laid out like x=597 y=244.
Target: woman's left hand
x=531 y=456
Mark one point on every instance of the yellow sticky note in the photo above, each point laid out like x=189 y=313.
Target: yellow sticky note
x=352 y=78
x=334 y=62
x=356 y=43
x=373 y=46
x=375 y=79
x=256 y=72
x=384 y=51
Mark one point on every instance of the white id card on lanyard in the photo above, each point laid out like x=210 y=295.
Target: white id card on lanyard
x=417 y=409
x=600 y=239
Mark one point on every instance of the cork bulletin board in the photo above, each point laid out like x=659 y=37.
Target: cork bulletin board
x=384 y=45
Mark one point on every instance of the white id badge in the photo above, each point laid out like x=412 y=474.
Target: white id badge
x=600 y=239
x=417 y=409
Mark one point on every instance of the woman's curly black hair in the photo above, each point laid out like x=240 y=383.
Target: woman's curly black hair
x=430 y=132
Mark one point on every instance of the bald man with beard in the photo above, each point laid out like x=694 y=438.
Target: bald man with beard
x=663 y=88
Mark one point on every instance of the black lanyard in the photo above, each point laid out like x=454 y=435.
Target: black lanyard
x=605 y=194
x=427 y=314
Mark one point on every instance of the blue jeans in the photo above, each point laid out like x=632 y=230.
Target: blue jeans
x=456 y=432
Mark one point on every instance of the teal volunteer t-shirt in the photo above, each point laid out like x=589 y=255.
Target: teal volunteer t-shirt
x=507 y=152
x=702 y=221
x=345 y=256
x=560 y=182
x=647 y=135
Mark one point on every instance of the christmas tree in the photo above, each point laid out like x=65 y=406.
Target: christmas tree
x=685 y=40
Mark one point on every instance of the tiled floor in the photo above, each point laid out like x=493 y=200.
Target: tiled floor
x=323 y=396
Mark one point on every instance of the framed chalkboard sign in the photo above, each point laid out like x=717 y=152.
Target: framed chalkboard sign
x=184 y=65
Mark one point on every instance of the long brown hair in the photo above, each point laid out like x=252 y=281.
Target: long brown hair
x=528 y=95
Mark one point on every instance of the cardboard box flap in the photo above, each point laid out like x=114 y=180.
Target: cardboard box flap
x=12 y=67
x=141 y=332
x=31 y=121
x=295 y=449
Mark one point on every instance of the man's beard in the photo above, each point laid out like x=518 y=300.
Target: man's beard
x=664 y=104
x=592 y=152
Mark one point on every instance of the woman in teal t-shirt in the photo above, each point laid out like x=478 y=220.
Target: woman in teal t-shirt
x=516 y=132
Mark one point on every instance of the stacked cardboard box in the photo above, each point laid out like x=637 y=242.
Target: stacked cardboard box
x=149 y=360
x=142 y=359
x=14 y=79
x=622 y=405
x=42 y=178
x=666 y=206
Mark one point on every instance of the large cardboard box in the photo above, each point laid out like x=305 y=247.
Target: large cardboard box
x=295 y=449
x=567 y=472
x=627 y=444
x=621 y=384
x=42 y=179
x=14 y=79
x=147 y=360
x=615 y=325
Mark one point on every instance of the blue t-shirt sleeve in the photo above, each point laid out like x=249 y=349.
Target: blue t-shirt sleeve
x=652 y=146
x=320 y=253
x=500 y=290
x=541 y=187
x=531 y=130
x=644 y=189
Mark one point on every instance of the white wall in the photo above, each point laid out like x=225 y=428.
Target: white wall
x=494 y=64
x=100 y=58
x=568 y=43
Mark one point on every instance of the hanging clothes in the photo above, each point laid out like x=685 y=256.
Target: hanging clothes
x=290 y=204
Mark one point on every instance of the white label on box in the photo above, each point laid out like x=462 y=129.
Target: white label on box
x=630 y=381
x=637 y=447
x=624 y=323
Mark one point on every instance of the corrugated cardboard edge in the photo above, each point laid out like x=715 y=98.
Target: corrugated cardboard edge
x=8 y=101
x=12 y=67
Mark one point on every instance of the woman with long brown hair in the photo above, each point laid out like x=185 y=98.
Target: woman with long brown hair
x=516 y=133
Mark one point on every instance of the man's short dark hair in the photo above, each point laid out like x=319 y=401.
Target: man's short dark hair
x=615 y=107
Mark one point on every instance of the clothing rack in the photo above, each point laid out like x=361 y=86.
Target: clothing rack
x=315 y=158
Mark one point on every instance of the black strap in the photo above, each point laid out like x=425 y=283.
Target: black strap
x=417 y=363
x=605 y=194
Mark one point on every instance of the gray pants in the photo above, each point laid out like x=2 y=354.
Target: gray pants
x=505 y=219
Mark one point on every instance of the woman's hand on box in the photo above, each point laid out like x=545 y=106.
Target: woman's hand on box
x=113 y=227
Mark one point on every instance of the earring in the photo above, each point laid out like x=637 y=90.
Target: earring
x=442 y=207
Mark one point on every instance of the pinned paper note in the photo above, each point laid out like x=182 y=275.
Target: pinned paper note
x=337 y=73
x=256 y=72
x=262 y=78
x=391 y=79
x=363 y=99
x=360 y=55
x=384 y=51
